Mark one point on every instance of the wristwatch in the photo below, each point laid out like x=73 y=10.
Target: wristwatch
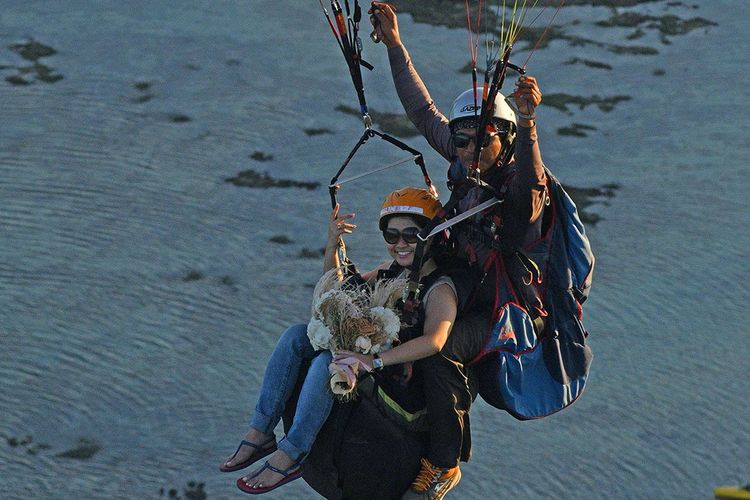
x=377 y=363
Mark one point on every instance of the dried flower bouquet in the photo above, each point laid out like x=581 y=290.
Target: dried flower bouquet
x=353 y=318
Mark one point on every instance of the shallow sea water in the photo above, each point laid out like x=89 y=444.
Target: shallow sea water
x=140 y=295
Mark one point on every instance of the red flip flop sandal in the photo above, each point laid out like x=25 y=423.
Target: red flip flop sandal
x=288 y=473
x=260 y=452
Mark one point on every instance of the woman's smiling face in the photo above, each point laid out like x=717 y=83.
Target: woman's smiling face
x=401 y=251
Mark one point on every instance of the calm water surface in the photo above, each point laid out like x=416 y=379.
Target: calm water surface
x=140 y=295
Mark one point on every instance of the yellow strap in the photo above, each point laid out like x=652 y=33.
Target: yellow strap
x=409 y=417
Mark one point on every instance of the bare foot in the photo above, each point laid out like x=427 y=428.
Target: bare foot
x=265 y=477
x=245 y=451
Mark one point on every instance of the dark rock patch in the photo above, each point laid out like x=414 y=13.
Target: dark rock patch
x=14 y=441
x=86 y=449
x=45 y=73
x=668 y=25
x=452 y=13
x=317 y=131
x=145 y=96
x=397 y=124
x=562 y=101
x=253 y=179
x=308 y=253
x=636 y=50
x=142 y=98
x=448 y=13
x=36 y=448
x=17 y=80
x=192 y=491
x=28 y=443
x=532 y=35
x=589 y=63
x=193 y=276
x=639 y=33
x=32 y=50
x=261 y=156
x=280 y=239
x=576 y=130
x=585 y=197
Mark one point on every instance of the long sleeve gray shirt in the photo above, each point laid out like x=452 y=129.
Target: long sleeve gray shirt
x=526 y=191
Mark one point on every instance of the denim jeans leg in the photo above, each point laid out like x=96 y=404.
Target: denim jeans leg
x=280 y=377
x=314 y=406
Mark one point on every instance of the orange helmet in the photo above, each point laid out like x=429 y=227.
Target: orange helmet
x=411 y=201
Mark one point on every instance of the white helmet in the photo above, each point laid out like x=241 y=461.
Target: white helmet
x=463 y=110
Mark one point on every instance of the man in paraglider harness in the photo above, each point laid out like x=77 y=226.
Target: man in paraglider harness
x=520 y=337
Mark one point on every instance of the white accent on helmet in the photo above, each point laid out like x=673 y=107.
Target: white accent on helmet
x=401 y=209
x=464 y=107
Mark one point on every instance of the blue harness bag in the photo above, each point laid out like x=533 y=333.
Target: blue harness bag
x=533 y=368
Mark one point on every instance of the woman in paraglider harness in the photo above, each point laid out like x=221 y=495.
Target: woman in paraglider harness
x=403 y=215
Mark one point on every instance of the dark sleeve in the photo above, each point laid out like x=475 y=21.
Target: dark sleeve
x=527 y=189
x=418 y=104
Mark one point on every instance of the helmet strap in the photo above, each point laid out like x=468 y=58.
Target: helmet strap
x=507 y=147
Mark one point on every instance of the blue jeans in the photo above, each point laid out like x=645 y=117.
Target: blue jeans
x=315 y=399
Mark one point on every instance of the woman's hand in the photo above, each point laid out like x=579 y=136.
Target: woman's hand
x=385 y=24
x=338 y=226
x=527 y=94
x=365 y=360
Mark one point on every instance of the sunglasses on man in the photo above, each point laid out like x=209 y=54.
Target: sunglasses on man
x=462 y=139
x=409 y=235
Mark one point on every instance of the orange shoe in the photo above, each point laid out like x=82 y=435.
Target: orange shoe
x=432 y=483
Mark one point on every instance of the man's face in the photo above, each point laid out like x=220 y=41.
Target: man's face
x=468 y=137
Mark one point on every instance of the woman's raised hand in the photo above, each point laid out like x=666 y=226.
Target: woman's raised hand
x=338 y=226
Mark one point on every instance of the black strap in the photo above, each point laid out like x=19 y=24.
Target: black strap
x=411 y=294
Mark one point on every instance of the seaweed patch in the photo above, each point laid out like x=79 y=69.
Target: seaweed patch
x=281 y=239
x=254 y=179
x=588 y=63
x=561 y=101
x=317 y=131
x=86 y=449
x=261 y=156
x=192 y=491
x=585 y=197
x=576 y=130
x=308 y=253
x=668 y=25
x=33 y=51
x=193 y=276
x=27 y=443
x=228 y=281
x=144 y=94
x=397 y=124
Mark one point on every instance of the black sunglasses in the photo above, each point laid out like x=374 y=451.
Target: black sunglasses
x=462 y=140
x=409 y=235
